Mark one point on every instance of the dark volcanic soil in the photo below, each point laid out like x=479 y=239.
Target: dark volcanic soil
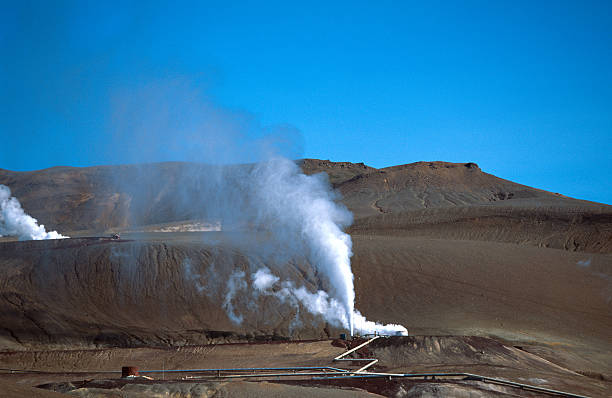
x=83 y=371
x=434 y=199
x=159 y=290
x=96 y=292
x=442 y=248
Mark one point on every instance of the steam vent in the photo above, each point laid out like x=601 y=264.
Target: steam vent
x=504 y=287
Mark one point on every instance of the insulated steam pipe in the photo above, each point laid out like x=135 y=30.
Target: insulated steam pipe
x=245 y=369
x=465 y=375
x=339 y=357
x=372 y=361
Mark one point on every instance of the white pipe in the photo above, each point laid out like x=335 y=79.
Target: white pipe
x=338 y=358
x=367 y=366
x=372 y=360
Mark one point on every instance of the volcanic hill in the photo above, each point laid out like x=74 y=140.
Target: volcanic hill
x=442 y=248
x=434 y=199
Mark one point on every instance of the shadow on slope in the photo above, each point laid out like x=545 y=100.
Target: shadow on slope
x=100 y=292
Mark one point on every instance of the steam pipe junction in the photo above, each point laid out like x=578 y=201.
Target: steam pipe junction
x=329 y=373
x=332 y=373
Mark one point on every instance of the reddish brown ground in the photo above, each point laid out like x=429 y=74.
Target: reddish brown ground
x=444 y=249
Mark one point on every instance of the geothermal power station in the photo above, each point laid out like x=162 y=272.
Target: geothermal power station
x=312 y=278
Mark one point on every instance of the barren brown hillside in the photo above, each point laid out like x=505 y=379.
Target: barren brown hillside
x=461 y=202
x=441 y=248
x=425 y=185
x=432 y=199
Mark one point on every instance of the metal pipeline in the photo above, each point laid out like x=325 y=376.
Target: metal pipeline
x=339 y=357
x=361 y=373
x=466 y=376
x=243 y=369
x=296 y=368
x=328 y=373
x=271 y=375
x=371 y=361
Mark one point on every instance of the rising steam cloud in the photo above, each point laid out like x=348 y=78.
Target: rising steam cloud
x=300 y=217
x=289 y=217
x=297 y=207
x=15 y=222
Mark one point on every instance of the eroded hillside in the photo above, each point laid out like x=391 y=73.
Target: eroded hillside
x=428 y=199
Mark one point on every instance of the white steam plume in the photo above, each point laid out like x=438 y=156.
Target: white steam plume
x=296 y=208
x=290 y=218
x=15 y=222
x=263 y=279
x=319 y=303
x=235 y=284
x=301 y=215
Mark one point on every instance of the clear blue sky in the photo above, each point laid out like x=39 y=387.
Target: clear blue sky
x=524 y=89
